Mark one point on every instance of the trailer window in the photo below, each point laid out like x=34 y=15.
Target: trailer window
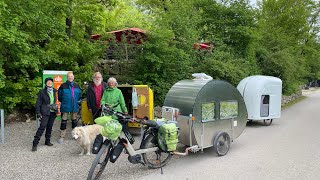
x=265 y=99
x=264 y=106
x=228 y=109
x=207 y=112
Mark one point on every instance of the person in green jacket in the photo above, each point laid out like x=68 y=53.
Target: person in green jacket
x=114 y=97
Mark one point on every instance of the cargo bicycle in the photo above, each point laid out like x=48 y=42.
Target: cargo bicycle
x=149 y=153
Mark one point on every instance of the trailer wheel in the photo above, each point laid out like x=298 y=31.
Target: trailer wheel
x=221 y=143
x=267 y=122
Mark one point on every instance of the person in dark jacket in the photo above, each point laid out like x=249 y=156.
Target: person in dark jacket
x=69 y=94
x=46 y=111
x=94 y=94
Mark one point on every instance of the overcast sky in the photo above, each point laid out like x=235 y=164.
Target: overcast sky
x=253 y=2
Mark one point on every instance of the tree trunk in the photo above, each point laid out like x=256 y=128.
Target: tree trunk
x=88 y=31
x=69 y=26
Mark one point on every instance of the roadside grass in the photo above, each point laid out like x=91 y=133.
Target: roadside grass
x=293 y=102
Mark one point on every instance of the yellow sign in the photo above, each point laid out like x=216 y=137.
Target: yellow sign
x=142 y=99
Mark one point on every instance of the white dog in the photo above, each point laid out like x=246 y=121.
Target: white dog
x=85 y=136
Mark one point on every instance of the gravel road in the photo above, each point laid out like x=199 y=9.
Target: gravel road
x=288 y=149
x=17 y=162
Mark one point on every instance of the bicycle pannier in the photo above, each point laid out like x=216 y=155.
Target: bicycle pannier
x=97 y=144
x=168 y=136
x=111 y=128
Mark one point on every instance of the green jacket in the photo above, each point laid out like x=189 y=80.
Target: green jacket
x=113 y=97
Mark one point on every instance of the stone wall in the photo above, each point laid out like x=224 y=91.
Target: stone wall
x=287 y=99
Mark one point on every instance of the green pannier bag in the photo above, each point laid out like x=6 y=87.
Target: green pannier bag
x=111 y=128
x=168 y=137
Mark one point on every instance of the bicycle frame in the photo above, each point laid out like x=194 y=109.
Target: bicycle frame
x=135 y=155
x=128 y=146
x=131 y=151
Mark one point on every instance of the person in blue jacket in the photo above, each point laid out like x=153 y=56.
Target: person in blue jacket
x=69 y=94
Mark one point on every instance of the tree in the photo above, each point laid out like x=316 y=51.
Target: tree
x=229 y=23
x=167 y=56
x=283 y=28
x=230 y=26
x=33 y=38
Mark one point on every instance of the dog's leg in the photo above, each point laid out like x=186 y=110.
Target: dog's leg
x=82 y=151
x=88 y=149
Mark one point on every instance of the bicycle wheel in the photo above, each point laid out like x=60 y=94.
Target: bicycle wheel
x=157 y=158
x=99 y=163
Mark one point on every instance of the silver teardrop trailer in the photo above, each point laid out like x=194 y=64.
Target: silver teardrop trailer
x=209 y=113
x=262 y=95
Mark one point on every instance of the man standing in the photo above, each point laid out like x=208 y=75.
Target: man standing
x=46 y=111
x=94 y=94
x=68 y=94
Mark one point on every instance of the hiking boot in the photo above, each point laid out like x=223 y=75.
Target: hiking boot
x=60 y=141
x=34 y=148
x=74 y=123
x=48 y=143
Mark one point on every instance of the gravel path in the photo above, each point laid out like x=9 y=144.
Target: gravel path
x=288 y=149
x=56 y=162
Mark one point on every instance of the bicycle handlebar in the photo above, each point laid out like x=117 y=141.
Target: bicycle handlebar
x=128 y=118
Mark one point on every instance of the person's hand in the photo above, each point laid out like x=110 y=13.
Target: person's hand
x=39 y=116
x=126 y=113
x=90 y=110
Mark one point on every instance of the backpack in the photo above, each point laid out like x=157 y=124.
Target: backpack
x=97 y=144
x=111 y=128
x=168 y=136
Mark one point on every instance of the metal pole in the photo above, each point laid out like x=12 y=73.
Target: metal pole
x=233 y=123
x=2 y=125
x=190 y=129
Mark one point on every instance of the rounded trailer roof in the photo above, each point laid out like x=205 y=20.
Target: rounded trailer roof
x=189 y=95
x=256 y=84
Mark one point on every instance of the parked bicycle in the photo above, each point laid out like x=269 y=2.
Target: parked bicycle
x=149 y=153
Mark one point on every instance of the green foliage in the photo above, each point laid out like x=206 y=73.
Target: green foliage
x=230 y=26
x=23 y=92
x=33 y=38
x=161 y=64
x=228 y=23
x=125 y=15
x=280 y=38
x=282 y=50
x=224 y=66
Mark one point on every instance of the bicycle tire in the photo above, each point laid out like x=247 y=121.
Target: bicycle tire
x=104 y=154
x=151 y=141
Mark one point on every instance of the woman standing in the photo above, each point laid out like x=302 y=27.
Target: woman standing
x=46 y=111
x=114 y=97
